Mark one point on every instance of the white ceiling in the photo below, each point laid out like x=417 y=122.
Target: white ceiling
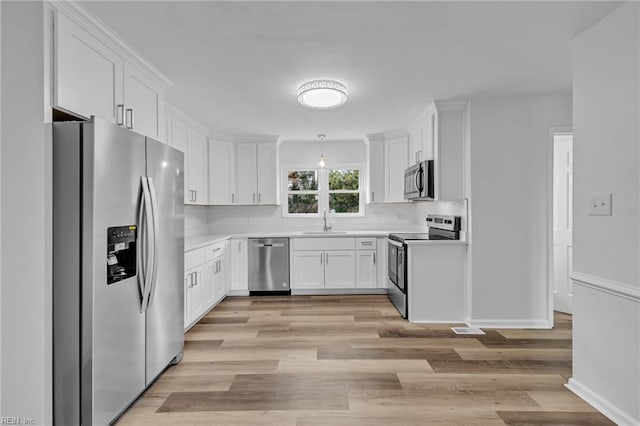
x=237 y=65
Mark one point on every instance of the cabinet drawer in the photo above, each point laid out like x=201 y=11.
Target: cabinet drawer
x=193 y=258
x=324 y=243
x=214 y=250
x=366 y=243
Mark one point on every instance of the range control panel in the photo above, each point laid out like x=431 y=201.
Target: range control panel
x=448 y=223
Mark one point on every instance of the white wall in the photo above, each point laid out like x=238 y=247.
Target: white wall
x=25 y=222
x=509 y=163
x=606 y=106
x=232 y=219
x=196 y=220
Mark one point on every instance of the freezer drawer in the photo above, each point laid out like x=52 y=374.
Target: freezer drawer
x=268 y=264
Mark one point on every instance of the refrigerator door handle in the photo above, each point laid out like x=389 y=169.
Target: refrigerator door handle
x=142 y=272
x=154 y=239
x=150 y=253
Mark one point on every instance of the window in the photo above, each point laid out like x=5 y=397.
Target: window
x=310 y=192
x=302 y=191
x=344 y=191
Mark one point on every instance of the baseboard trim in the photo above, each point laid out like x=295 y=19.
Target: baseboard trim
x=238 y=293
x=311 y=292
x=601 y=404
x=452 y=322
x=495 y=323
x=607 y=286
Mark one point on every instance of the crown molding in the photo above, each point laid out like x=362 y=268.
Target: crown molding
x=257 y=138
x=398 y=133
x=186 y=119
x=98 y=29
x=375 y=137
x=451 y=105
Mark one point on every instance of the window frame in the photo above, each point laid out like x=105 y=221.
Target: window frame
x=323 y=189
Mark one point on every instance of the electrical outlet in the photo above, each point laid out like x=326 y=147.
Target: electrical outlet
x=600 y=205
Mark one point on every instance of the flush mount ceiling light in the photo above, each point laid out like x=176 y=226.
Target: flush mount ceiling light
x=322 y=94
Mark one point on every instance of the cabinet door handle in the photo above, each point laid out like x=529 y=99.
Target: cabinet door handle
x=321 y=258
x=120 y=114
x=373 y=197
x=129 y=118
x=190 y=279
x=217 y=249
x=327 y=257
x=374 y=257
x=233 y=198
x=196 y=276
x=254 y=198
x=366 y=243
x=219 y=266
x=259 y=198
x=195 y=195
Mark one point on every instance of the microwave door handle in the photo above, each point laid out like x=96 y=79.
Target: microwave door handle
x=416 y=177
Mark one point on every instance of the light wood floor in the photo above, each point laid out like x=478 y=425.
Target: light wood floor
x=352 y=360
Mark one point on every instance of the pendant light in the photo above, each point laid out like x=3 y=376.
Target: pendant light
x=321 y=163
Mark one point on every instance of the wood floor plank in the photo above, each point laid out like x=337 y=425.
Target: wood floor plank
x=444 y=382
x=539 y=418
x=352 y=360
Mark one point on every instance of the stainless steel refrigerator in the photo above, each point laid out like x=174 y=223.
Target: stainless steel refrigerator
x=118 y=248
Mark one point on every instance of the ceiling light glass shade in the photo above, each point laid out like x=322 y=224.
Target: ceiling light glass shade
x=322 y=94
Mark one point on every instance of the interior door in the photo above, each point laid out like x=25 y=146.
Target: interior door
x=113 y=336
x=165 y=335
x=562 y=221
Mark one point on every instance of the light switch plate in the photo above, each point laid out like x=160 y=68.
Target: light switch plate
x=600 y=205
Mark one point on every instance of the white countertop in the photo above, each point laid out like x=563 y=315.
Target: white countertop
x=196 y=242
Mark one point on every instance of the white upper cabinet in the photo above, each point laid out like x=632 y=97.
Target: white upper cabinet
x=388 y=159
x=439 y=135
x=221 y=172
x=256 y=175
x=421 y=136
x=376 y=171
x=246 y=173
x=395 y=163
x=143 y=103
x=267 y=174
x=187 y=136
x=197 y=168
x=87 y=75
x=95 y=74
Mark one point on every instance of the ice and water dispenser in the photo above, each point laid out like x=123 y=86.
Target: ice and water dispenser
x=121 y=253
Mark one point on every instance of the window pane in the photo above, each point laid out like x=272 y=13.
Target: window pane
x=303 y=180
x=343 y=179
x=303 y=203
x=344 y=203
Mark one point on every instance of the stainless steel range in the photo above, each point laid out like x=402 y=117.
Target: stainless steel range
x=440 y=228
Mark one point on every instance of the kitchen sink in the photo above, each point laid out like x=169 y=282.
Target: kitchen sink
x=323 y=232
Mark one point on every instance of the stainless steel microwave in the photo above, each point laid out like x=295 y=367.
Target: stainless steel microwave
x=418 y=181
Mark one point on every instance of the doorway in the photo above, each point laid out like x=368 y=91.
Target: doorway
x=562 y=246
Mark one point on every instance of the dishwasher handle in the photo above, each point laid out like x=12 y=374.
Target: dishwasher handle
x=268 y=245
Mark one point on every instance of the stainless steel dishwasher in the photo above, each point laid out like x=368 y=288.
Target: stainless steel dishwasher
x=269 y=266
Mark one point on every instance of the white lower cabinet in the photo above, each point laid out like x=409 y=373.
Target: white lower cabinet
x=194 y=294
x=238 y=266
x=308 y=269
x=339 y=269
x=334 y=263
x=206 y=280
x=366 y=269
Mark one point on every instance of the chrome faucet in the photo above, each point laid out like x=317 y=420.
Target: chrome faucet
x=327 y=223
